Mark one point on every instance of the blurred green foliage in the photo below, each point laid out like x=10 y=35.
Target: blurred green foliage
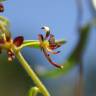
x=14 y=81
x=2 y=0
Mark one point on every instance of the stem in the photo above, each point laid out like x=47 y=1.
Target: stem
x=33 y=91
x=31 y=44
x=79 y=85
x=79 y=89
x=32 y=74
x=36 y=43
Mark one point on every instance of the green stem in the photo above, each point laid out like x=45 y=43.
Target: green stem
x=33 y=91
x=32 y=74
x=36 y=43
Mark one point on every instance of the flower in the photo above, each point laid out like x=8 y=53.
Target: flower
x=46 y=43
x=6 y=42
x=48 y=47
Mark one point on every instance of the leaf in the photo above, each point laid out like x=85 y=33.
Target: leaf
x=2 y=0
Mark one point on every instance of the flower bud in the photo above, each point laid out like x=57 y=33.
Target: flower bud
x=1 y=7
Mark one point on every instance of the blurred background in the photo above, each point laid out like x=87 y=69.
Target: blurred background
x=71 y=20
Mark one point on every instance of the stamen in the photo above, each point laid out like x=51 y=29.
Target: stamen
x=52 y=46
x=49 y=59
x=49 y=50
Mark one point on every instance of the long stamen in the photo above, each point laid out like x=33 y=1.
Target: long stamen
x=49 y=59
x=49 y=50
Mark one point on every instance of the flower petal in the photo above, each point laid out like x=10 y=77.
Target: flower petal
x=51 y=51
x=1 y=7
x=18 y=41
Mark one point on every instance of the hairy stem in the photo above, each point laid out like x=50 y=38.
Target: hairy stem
x=32 y=74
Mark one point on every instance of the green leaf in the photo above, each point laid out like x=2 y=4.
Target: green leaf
x=2 y=0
